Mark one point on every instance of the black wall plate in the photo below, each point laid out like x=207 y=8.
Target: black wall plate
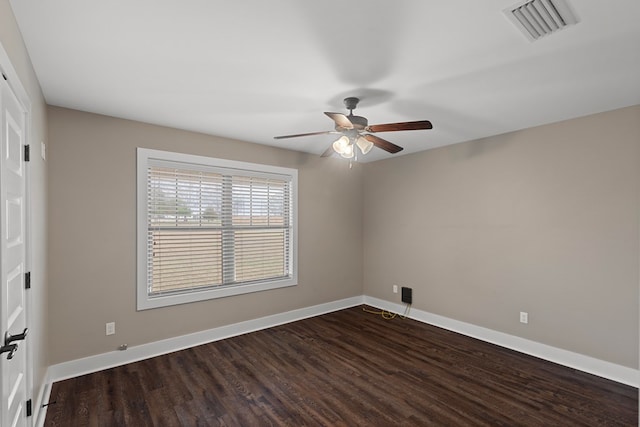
x=407 y=295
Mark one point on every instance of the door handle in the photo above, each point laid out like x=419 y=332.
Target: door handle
x=9 y=348
x=8 y=338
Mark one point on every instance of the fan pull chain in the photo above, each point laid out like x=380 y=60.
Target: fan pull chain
x=355 y=155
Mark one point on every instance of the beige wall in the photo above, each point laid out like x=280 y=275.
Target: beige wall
x=93 y=236
x=545 y=220
x=12 y=44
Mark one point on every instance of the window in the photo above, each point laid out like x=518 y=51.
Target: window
x=210 y=228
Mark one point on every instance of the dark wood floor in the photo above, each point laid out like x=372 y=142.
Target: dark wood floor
x=347 y=368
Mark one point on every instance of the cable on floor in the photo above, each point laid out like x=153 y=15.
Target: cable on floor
x=388 y=315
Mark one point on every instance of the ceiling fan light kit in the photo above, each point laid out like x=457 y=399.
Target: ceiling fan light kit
x=355 y=131
x=343 y=147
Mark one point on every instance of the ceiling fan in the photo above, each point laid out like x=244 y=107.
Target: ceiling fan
x=356 y=131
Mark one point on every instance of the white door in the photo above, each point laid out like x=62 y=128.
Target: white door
x=13 y=316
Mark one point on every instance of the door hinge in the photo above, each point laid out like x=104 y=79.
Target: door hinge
x=27 y=280
x=29 y=408
x=26 y=153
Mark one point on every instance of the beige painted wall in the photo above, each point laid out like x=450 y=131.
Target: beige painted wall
x=92 y=161
x=12 y=43
x=545 y=220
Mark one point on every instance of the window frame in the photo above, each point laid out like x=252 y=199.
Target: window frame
x=146 y=156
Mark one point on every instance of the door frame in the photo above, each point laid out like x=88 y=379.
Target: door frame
x=15 y=85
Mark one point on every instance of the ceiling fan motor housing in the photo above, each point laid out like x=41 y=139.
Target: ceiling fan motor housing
x=358 y=122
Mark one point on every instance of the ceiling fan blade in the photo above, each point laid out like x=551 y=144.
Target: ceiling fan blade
x=329 y=151
x=305 y=134
x=390 y=127
x=341 y=120
x=384 y=144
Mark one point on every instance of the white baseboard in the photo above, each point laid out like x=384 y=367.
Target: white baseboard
x=601 y=368
x=103 y=361
x=99 y=362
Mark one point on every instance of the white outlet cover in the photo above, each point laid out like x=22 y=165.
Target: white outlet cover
x=111 y=328
x=524 y=317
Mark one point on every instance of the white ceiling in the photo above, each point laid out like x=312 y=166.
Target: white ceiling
x=253 y=69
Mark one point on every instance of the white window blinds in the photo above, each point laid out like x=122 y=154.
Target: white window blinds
x=215 y=227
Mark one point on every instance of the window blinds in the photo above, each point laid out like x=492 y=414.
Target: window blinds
x=211 y=227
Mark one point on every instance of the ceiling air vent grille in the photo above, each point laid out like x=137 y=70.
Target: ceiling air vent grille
x=538 y=18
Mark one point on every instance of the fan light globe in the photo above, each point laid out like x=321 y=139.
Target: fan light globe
x=364 y=145
x=348 y=152
x=341 y=145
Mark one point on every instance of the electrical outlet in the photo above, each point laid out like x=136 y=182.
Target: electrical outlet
x=524 y=317
x=395 y=289
x=111 y=328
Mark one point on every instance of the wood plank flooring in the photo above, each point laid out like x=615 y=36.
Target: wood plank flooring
x=348 y=368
